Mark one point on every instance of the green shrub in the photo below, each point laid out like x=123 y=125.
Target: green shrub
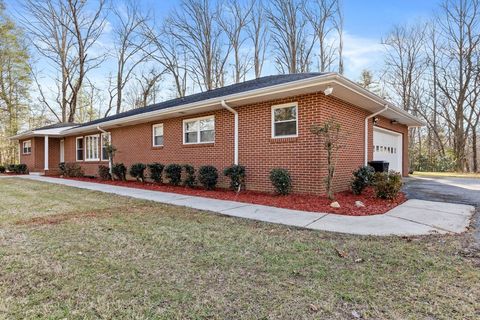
x=189 y=175
x=208 y=177
x=2 y=169
x=137 y=171
x=11 y=167
x=61 y=166
x=236 y=173
x=119 y=171
x=21 y=168
x=73 y=170
x=156 y=170
x=362 y=178
x=387 y=185
x=173 y=172
x=281 y=180
x=104 y=172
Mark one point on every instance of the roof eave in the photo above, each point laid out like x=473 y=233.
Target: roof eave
x=323 y=79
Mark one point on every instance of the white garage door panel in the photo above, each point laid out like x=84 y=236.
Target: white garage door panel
x=387 y=146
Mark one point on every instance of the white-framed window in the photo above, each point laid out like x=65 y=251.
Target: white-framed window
x=91 y=147
x=285 y=120
x=79 y=148
x=27 y=147
x=199 y=130
x=157 y=135
x=106 y=140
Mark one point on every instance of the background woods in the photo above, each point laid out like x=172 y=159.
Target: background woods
x=74 y=61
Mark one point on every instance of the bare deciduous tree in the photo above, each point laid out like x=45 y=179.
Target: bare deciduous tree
x=458 y=65
x=292 y=44
x=65 y=32
x=234 y=21
x=258 y=35
x=168 y=51
x=195 y=26
x=321 y=15
x=129 y=45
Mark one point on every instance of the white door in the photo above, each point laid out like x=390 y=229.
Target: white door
x=62 y=150
x=387 y=146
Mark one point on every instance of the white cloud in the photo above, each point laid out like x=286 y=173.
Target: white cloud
x=361 y=53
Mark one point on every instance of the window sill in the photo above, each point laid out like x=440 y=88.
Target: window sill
x=198 y=145
x=284 y=140
x=157 y=147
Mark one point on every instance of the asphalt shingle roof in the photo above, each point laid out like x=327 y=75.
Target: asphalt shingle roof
x=58 y=125
x=259 y=83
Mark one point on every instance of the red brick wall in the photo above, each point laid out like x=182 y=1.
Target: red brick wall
x=35 y=160
x=303 y=156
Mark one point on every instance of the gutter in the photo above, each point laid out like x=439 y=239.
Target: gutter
x=366 y=130
x=235 y=114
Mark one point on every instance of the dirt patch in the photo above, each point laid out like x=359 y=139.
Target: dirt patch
x=301 y=202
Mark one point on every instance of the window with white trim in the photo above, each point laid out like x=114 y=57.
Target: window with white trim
x=157 y=132
x=199 y=130
x=106 y=141
x=285 y=120
x=91 y=148
x=27 y=147
x=79 y=148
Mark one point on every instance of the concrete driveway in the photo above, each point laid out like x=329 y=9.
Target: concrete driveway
x=446 y=189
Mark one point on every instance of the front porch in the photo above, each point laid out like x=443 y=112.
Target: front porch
x=44 y=156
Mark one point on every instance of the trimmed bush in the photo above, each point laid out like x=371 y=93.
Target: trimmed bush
x=137 y=171
x=281 y=180
x=73 y=170
x=156 y=170
x=2 y=169
x=61 y=166
x=387 y=185
x=236 y=173
x=173 y=172
x=104 y=172
x=189 y=176
x=208 y=177
x=362 y=178
x=119 y=171
x=21 y=168
x=11 y=167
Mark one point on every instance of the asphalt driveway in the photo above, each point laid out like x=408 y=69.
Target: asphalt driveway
x=446 y=189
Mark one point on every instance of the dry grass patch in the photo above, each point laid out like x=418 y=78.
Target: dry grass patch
x=142 y=260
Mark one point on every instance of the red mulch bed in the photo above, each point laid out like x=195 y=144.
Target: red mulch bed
x=293 y=201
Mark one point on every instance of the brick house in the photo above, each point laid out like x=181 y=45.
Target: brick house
x=261 y=124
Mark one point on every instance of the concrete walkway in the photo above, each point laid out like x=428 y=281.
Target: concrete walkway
x=414 y=217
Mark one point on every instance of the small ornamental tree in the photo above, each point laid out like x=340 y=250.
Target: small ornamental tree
x=110 y=150
x=332 y=138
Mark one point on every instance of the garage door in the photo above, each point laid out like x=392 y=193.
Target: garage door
x=387 y=146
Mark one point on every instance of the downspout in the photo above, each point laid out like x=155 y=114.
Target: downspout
x=235 y=113
x=109 y=156
x=366 y=130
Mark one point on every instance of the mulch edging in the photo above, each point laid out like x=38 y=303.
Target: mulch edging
x=312 y=203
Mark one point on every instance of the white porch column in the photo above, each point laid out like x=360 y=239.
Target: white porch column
x=46 y=153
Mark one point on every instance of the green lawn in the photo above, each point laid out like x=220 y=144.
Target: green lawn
x=70 y=253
